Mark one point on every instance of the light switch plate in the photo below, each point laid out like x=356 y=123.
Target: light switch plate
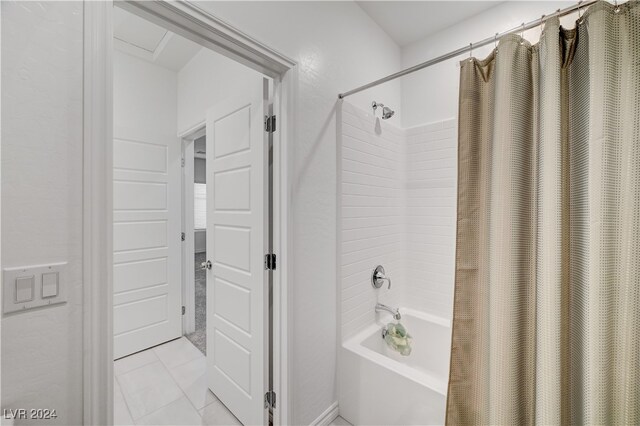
x=49 y=284
x=49 y=287
x=25 y=287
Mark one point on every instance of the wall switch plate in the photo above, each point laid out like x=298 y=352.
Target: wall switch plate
x=49 y=284
x=31 y=287
x=25 y=287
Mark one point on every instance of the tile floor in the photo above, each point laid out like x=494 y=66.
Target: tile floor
x=166 y=385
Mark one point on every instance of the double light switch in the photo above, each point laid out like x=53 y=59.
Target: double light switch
x=33 y=286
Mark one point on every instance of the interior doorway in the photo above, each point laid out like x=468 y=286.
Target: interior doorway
x=199 y=336
x=192 y=220
x=194 y=149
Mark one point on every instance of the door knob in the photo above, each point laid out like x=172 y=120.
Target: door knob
x=205 y=265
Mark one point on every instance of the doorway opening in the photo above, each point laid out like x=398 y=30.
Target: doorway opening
x=196 y=296
x=193 y=328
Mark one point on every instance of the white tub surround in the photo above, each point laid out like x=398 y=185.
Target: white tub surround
x=396 y=209
x=432 y=166
x=378 y=386
x=372 y=209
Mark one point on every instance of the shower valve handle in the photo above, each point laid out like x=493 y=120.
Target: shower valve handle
x=378 y=277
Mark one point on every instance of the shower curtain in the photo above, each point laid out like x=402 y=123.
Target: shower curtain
x=546 y=326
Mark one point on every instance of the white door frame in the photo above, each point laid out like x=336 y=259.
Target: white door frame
x=203 y=28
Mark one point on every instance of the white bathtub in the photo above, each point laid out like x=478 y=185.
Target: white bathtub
x=377 y=386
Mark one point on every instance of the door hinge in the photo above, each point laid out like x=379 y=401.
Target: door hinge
x=183 y=236
x=270 y=400
x=269 y=123
x=184 y=309
x=182 y=162
x=270 y=261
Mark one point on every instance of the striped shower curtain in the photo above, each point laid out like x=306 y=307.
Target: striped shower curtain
x=546 y=326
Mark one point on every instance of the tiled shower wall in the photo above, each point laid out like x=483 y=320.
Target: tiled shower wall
x=397 y=209
x=372 y=194
x=431 y=217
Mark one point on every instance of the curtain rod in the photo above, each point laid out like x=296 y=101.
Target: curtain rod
x=465 y=49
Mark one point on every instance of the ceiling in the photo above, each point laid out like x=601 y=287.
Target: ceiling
x=139 y=37
x=410 y=21
x=404 y=21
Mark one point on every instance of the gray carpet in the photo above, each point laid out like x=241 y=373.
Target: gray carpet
x=199 y=337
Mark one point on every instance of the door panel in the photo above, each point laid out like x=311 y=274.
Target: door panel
x=236 y=243
x=146 y=245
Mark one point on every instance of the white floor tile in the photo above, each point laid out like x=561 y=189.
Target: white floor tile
x=199 y=394
x=131 y=362
x=187 y=373
x=177 y=352
x=166 y=385
x=148 y=388
x=121 y=415
x=179 y=412
x=192 y=379
x=216 y=414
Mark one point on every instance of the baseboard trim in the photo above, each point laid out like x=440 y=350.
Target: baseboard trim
x=329 y=415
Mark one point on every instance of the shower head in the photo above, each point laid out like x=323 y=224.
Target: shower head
x=386 y=111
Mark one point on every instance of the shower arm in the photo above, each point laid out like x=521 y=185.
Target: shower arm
x=468 y=48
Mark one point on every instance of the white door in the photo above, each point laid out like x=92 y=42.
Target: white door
x=146 y=240
x=236 y=242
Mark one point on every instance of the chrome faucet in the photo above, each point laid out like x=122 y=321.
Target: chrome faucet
x=394 y=312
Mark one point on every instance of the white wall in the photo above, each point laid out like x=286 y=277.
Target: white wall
x=372 y=213
x=431 y=217
x=42 y=51
x=337 y=47
x=431 y=95
x=200 y=176
x=206 y=79
x=144 y=96
x=199 y=170
x=200 y=241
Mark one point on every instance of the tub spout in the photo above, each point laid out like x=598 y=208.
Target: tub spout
x=394 y=312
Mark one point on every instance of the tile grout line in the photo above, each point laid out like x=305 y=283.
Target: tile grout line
x=151 y=412
x=170 y=402
x=187 y=396
x=167 y=369
x=126 y=404
x=174 y=380
x=177 y=384
x=139 y=367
